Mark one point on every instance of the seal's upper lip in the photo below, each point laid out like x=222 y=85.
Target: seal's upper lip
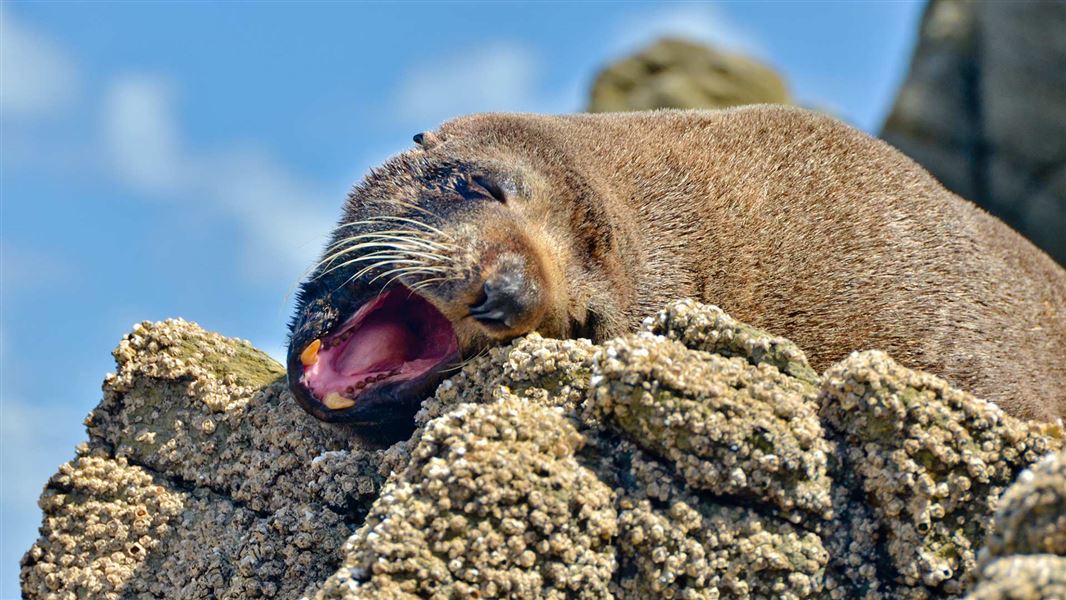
x=395 y=339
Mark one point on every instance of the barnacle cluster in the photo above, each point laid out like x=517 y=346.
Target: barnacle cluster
x=698 y=458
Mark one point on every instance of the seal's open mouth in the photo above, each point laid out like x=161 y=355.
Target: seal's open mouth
x=397 y=340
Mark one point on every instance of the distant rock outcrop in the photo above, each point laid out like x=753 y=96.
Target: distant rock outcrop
x=674 y=73
x=700 y=458
x=984 y=109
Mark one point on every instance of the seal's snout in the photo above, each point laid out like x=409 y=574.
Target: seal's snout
x=510 y=300
x=503 y=302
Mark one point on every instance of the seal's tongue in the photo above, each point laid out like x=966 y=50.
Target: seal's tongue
x=376 y=346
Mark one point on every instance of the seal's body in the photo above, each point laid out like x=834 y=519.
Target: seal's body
x=582 y=225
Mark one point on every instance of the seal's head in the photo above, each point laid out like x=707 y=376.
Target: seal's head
x=441 y=252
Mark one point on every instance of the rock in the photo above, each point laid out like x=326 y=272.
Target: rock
x=493 y=502
x=1025 y=556
x=673 y=73
x=698 y=458
x=930 y=460
x=198 y=480
x=984 y=109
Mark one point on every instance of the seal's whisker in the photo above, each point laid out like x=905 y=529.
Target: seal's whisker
x=400 y=234
x=427 y=282
x=383 y=244
x=429 y=256
x=387 y=247
x=371 y=221
x=466 y=361
x=364 y=242
x=387 y=263
x=410 y=268
x=381 y=254
x=399 y=247
x=400 y=272
x=388 y=256
x=382 y=258
x=327 y=260
x=387 y=260
x=413 y=206
x=417 y=223
x=386 y=241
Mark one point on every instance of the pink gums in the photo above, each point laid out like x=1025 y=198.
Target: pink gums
x=397 y=336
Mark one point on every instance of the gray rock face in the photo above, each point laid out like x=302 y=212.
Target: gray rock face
x=675 y=73
x=699 y=458
x=984 y=110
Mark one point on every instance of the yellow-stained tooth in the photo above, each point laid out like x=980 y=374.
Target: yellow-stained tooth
x=310 y=354
x=335 y=401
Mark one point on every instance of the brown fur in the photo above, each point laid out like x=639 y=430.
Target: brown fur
x=790 y=221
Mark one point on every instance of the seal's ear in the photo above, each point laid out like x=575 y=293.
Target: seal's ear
x=426 y=139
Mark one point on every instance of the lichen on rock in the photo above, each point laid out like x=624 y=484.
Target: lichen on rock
x=700 y=458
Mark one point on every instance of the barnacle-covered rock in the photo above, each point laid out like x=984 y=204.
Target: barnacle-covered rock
x=198 y=462
x=1025 y=556
x=727 y=427
x=1031 y=515
x=709 y=328
x=1033 y=577
x=115 y=530
x=700 y=458
x=492 y=503
x=931 y=460
x=675 y=73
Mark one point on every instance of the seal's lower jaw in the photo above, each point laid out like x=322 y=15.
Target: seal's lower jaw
x=377 y=366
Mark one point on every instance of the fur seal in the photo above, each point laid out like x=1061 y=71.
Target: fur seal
x=578 y=226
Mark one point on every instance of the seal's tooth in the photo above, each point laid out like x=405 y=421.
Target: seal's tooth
x=310 y=354
x=335 y=401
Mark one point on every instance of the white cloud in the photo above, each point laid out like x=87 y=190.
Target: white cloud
x=282 y=217
x=495 y=77
x=697 y=22
x=36 y=77
x=142 y=135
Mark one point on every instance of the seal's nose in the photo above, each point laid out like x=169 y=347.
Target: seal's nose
x=505 y=300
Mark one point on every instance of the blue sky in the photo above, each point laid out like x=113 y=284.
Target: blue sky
x=187 y=159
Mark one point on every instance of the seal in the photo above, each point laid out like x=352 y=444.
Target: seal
x=496 y=225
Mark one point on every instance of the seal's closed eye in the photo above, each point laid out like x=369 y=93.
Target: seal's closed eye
x=474 y=187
